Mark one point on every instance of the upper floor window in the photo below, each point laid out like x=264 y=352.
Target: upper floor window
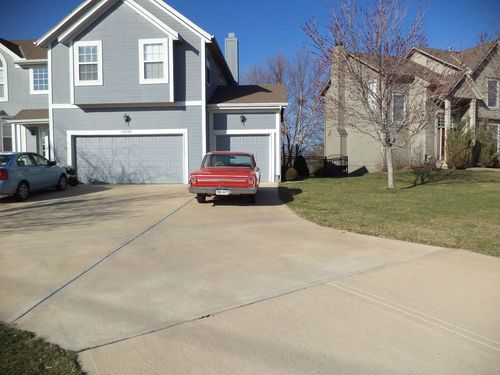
x=39 y=80
x=398 y=107
x=88 y=63
x=3 y=79
x=372 y=94
x=493 y=93
x=153 y=61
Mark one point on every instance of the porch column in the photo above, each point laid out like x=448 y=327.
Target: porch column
x=473 y=116
x=447 y=125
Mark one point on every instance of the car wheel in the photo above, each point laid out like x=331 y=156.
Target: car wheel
x=22 y=192
x=63 y=183
x=252 y=199
x=201 y=198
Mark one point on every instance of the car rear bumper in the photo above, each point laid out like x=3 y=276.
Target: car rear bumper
x=7 y=188
x=212 y=191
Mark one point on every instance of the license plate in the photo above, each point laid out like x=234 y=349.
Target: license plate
x=222 y=192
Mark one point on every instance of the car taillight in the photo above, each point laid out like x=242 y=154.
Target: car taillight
x=192 y=180
x=4 y=174
x=251 y=180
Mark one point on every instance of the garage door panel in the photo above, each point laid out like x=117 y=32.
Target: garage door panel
x=130 y=159
x=257 y=145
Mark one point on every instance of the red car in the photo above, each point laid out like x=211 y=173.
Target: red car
x=225 y=173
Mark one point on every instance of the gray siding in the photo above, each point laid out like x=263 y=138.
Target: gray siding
x=165 y=118
x=187 y=60
x=120 y=29
x=19 y=90
x=216 y=77
x=60 y=74
x=232 y=121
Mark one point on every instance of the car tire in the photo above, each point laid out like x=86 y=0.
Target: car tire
x=22 y=192
x=201 y=198
x=62 y=184
x=252 y=199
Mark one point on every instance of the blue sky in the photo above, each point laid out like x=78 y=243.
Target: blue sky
x=266 y=27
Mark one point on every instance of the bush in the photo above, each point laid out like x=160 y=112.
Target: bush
x=458 y=147
x=301 y=167
x=291 y=174
x=321 y=172
x=485 y=148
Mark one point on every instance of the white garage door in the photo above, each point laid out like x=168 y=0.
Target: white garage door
x=254 y=144
x=130 y=159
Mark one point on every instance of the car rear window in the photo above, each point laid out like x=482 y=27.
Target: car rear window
x=229 y=160
x=4 y=160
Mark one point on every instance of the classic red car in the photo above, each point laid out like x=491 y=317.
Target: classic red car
x=225 y=173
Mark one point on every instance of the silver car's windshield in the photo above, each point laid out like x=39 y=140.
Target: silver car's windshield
x=4 y=160
x=228 y=160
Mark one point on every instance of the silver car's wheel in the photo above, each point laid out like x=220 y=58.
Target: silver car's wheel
x=63 y=183
x=23 y=192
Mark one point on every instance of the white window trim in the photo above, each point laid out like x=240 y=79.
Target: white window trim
x=32 y=83
x=404 y=107
x=76 y=67
x=5 y=97
x=488 y=93
x=166 y=61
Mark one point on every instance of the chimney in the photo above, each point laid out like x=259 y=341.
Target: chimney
x=233 y=56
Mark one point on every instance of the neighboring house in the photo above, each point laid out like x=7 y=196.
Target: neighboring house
x=24 y=87
x=465 y=87
x=138 y=94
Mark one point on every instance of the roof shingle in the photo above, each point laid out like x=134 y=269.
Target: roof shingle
x=32 y=114
x=250 y=94
x=25 y=49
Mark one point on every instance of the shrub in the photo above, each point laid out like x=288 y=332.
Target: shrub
x=458 y=147
x=321 y=172
x=301 y=167
x=485 y=148
x=291 y=174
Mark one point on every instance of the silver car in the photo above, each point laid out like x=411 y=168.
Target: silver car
x=24 y=172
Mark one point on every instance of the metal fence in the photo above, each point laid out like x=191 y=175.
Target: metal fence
x=334 y=165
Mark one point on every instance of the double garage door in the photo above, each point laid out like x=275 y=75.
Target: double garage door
x=130 y=159
x=259 y=145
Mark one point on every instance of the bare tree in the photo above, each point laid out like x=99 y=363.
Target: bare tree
x=374 y=90
x=301 y=128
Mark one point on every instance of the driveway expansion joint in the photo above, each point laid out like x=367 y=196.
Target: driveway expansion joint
x=98 y=263
x=321 y=282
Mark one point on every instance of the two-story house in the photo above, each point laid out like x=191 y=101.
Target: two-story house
x=464 y=87
x=138 y=93
x=24 y=88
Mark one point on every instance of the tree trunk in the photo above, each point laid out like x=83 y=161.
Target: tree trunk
x=390 y=167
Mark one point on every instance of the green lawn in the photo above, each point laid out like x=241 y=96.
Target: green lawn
x=22 y=353
x=458 y=209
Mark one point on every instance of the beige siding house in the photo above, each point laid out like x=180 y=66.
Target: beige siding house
x=464 y=87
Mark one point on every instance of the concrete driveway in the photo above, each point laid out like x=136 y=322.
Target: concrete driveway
x=143 y=280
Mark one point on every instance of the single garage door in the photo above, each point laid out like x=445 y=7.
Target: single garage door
x=254 y=144
x=130 y=159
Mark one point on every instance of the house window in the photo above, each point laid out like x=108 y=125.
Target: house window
x=3 y=79
x=398 y=107
x=7 y=138
x=39 y=80
x=493 y=94
x=441 y=136
x=88 y=63
x=208 y=73
x=153 y=61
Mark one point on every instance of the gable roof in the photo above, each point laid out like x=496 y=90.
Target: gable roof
x=250 y=94
x=25 y=49
x=97 y=7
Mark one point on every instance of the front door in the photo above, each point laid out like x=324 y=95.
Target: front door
x=43 y=142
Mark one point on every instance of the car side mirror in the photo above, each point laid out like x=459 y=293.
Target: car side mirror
x=52 y=163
